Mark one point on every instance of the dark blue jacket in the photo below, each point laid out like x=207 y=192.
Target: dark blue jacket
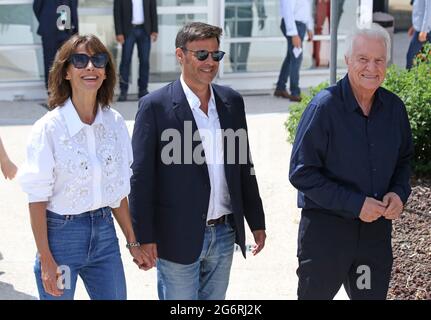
x=340 y=156
x=169 y=203
x=46 y=13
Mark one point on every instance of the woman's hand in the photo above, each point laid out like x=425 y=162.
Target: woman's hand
x=50 y=274
x=141 y=258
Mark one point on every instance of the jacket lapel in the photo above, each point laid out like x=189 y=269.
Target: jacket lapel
x=185 y=117
x=224 y=113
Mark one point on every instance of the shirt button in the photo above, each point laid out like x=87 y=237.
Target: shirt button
x=371 y=144
x=374 y=169
x=375 y=195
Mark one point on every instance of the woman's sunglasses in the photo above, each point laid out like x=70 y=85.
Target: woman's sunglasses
x=80 y=60
x=202 y=55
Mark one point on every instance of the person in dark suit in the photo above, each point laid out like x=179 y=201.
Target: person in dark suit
x=54 y=27
x=135 y=22
x=188 y=211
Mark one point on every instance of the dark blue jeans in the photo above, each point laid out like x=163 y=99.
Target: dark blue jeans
x=414 y=48
x=139 y=36
x=85 y=245
x=291 y=65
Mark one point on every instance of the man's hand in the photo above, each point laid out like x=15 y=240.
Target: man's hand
x=261 y=24
x=310 y=35
x=296 y=41
x=259 y=239
x=372 y=209
x=394 y=206
x=422 y=36
x=141 y=258
x=154 y=36
x=150 y=249
x=120 y=38
x=411 y=31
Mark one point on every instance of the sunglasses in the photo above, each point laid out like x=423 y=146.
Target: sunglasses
x=202 y=55
x=80 y=60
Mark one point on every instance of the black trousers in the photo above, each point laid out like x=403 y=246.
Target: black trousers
x=50 y=47
x=334 y=251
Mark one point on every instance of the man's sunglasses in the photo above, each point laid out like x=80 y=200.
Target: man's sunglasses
x=202 y=55
x=80 y=60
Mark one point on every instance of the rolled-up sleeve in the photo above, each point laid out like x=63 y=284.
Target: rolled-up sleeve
x=36 y=176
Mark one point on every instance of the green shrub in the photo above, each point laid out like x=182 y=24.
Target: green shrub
x=414 y=88
x=296 y=110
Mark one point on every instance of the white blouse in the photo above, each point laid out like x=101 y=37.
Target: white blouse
x=77 y=167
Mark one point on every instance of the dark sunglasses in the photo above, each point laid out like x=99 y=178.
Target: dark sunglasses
x=202 y=55
x=80 y=60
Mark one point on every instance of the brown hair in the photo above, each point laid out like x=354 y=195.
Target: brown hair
x=197 y=31
x=59 y=88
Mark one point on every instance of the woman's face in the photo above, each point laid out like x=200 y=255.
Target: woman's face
x=87 y=78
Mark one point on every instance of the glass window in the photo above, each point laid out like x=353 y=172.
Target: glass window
x=18 y=25
x=21 y=64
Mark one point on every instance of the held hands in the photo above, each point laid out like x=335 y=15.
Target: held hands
x=259 y=239
x=390 y=208
x=145 y=256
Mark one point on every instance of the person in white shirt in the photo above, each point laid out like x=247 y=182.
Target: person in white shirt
x=296 y=21
x=76 y=173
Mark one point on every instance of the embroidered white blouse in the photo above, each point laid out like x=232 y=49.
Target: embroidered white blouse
x=77 y=167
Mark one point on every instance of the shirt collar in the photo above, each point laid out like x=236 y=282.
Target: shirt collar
x=193 y=99
x=349 y=98
x=73 y=122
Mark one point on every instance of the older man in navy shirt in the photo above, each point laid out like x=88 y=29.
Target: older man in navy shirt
x=351 y=165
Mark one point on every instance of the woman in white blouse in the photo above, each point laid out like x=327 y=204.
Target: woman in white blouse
x=77 y=170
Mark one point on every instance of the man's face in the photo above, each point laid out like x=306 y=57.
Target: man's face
x=367 y=63
x=195 y=72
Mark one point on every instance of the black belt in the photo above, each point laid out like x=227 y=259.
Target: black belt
x=217 y=221
x=138 y=25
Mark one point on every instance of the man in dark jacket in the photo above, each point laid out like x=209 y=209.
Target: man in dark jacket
x=135 y=22
x=58 y=21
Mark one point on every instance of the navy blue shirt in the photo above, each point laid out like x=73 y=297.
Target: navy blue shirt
x=340 y=156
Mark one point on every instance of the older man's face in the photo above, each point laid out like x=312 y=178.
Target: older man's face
x=367 y=63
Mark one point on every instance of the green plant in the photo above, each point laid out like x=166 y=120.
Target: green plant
x=296 y=110
x=414 y=89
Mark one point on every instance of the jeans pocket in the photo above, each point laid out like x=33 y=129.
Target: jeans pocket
x=55 y=224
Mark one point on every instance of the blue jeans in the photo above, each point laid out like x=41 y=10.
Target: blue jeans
x=291 y=65
x=414 y=48
x=143 y=40
x=86 y=245
x=205 y=279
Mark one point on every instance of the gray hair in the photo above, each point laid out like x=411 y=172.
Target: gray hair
x=375 y=31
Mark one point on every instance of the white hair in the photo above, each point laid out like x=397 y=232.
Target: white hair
x=375 y=31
